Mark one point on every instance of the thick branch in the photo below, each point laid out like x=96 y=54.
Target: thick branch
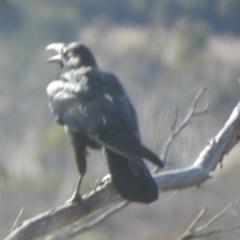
x=208 y=159
x=77 y=228
x=195 y=175
x=65 y=214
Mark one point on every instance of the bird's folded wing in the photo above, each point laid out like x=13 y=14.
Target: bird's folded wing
x=131 y=150
x=108 y=119
x=125 y=143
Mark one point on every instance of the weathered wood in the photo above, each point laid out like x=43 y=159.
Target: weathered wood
x=105 y=195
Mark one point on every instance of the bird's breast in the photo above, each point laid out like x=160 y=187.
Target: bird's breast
x=55 y=87
x=63 y=87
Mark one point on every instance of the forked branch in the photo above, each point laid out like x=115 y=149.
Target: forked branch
x=202 y=231
x=106 y=195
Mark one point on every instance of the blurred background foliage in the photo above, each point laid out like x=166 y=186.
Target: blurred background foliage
x=163 y=51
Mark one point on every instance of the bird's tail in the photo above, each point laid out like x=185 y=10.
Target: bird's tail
x=139 y=187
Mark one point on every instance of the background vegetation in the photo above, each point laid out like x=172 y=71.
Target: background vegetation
x=164 y=52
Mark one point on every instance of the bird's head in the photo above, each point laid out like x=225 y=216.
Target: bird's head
x=72 y=55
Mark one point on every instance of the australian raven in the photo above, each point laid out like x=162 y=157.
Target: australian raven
x=96 y=112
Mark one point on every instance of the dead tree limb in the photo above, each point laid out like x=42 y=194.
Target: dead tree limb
x=202 y=231
x=175 y=130
x=208 y=159
x=105 y=195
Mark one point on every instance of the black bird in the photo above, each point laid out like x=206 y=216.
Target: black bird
x=96 y=112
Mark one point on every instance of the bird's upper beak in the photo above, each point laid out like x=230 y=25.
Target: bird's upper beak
x=59 y=49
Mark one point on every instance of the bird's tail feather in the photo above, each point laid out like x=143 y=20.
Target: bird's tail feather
x=141 y=188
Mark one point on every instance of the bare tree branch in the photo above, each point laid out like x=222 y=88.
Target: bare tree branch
x=104 y=195
x=18 y=217
x=75 y=229
x=206 y=234
x=216 y=217
x=66 y=214
x=176 y=130
x=208 y=159
x=191 y=227
x=198 y=232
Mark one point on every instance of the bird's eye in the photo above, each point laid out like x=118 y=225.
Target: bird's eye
x=69 y=54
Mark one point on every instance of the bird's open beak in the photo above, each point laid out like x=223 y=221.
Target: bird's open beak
x=58 y=48
x=55 y=59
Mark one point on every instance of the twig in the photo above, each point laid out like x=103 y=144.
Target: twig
x=216 y=217
x=18 y=217
x=230 y=228
x=193 y=232
x=176 y=130
x=174 y=123
x=196 y=220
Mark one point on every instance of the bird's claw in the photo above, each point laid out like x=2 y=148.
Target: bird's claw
x=77 y=198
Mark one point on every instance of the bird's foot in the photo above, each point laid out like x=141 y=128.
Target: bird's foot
x=77 y=198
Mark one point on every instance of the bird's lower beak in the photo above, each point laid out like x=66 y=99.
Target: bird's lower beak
x=58 y=48
x=55 y=59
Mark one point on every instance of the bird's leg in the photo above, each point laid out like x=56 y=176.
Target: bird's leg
x=79 y=143
x=76 y=195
